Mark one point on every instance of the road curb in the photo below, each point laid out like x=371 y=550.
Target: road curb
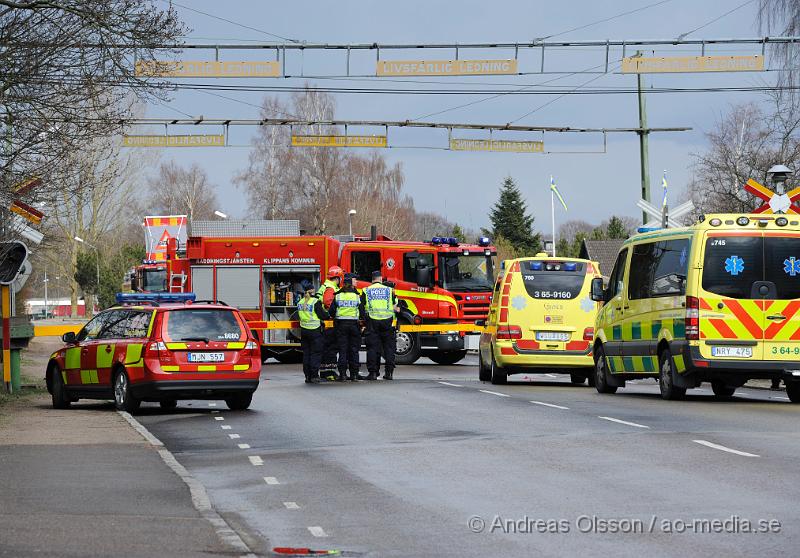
x=200 y=499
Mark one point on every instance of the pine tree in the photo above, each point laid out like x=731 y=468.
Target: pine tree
x=616 y=228
x=510 y=220
x=458 y=233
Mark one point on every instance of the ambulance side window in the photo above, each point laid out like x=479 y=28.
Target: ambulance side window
x=642 y=264
x=615 y=281
x=364 y=263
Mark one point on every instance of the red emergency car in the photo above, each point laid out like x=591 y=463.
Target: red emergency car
x=158 y=347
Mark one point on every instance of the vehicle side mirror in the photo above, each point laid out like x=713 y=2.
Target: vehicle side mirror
x=423 y=276
x=598 y=293
x=69 y=337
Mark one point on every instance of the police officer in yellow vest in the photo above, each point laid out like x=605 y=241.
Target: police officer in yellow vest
x=326 y=293
x=311 y=314
x=380 y=305
x=346 y=312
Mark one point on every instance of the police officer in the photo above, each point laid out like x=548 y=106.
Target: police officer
x=346 y=312
x=326 y=294
x=380 y=305
x=311 y=313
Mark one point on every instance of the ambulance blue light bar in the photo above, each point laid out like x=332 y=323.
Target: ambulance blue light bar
x=133 y=298
x=647 y=229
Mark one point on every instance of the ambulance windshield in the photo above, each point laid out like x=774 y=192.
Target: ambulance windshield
x=466 y=273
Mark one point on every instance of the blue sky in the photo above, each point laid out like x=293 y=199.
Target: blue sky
x=463 y=186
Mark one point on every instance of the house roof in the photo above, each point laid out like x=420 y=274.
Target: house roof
x=602 y=251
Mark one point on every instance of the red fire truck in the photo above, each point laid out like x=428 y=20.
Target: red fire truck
x=441 y=281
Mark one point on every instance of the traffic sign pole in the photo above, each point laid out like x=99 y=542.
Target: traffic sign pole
x=5 y=298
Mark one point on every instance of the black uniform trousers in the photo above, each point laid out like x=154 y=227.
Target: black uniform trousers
x=381 y=338
x=348 y=335
x=330 y=347
x=311 y=344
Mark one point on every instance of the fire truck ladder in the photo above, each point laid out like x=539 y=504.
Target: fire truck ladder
x=181 y=284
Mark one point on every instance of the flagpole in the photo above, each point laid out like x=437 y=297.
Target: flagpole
x=553 y=217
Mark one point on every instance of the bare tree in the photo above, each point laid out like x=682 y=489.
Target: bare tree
x=782 y=17
x=180 y=191
x=745 y=144
x=266 y=181
x=99 y=186
x=68 y=70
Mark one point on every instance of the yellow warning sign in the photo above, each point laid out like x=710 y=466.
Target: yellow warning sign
x=445 y=67
x=208 y=140
x=463 y=144
x=692 y=64
x=207 y=68
x=338 y=141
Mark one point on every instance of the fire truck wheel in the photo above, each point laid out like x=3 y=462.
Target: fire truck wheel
x=123 y=398
x=499 y=375
x=447 y=357
x=484 y=372
x=408 y=349
x=60 y=398
x=239 y=402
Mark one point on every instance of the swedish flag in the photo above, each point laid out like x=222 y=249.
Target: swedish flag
x=554 y=189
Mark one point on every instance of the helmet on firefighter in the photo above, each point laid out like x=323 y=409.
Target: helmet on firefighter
x=335 y=271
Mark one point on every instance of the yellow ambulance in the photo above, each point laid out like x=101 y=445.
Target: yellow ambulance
x=541 y=318
x=716 y=302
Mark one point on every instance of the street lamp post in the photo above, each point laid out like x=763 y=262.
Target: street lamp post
x=97 y=264
x=350 y=220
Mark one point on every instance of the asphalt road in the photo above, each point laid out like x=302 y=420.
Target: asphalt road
x=404 y=468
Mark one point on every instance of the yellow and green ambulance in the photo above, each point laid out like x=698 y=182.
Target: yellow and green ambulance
x=715 y=302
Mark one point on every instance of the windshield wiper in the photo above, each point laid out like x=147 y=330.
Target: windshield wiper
x=195 y=339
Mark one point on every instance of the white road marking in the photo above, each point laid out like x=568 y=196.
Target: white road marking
x=493 y=393
x=234 y=436
x=551 y=375
x=225 y=427
x=723 y=448
x=449 y=384
x=244 y=446
x=212 y=404
x=549 y=405
x=271 y=480
x=291 y=505
x=624 y=422
x=255 y=460
x=781 y=398
x=317 y=532
x=219 y=418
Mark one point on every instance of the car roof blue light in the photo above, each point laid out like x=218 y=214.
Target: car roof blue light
x=570 y=266
x=132 y=298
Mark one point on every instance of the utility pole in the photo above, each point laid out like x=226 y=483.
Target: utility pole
x=644 y=132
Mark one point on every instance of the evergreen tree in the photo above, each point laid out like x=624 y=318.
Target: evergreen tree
x=616 y=228
x=458 y=233
x=510 y=220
